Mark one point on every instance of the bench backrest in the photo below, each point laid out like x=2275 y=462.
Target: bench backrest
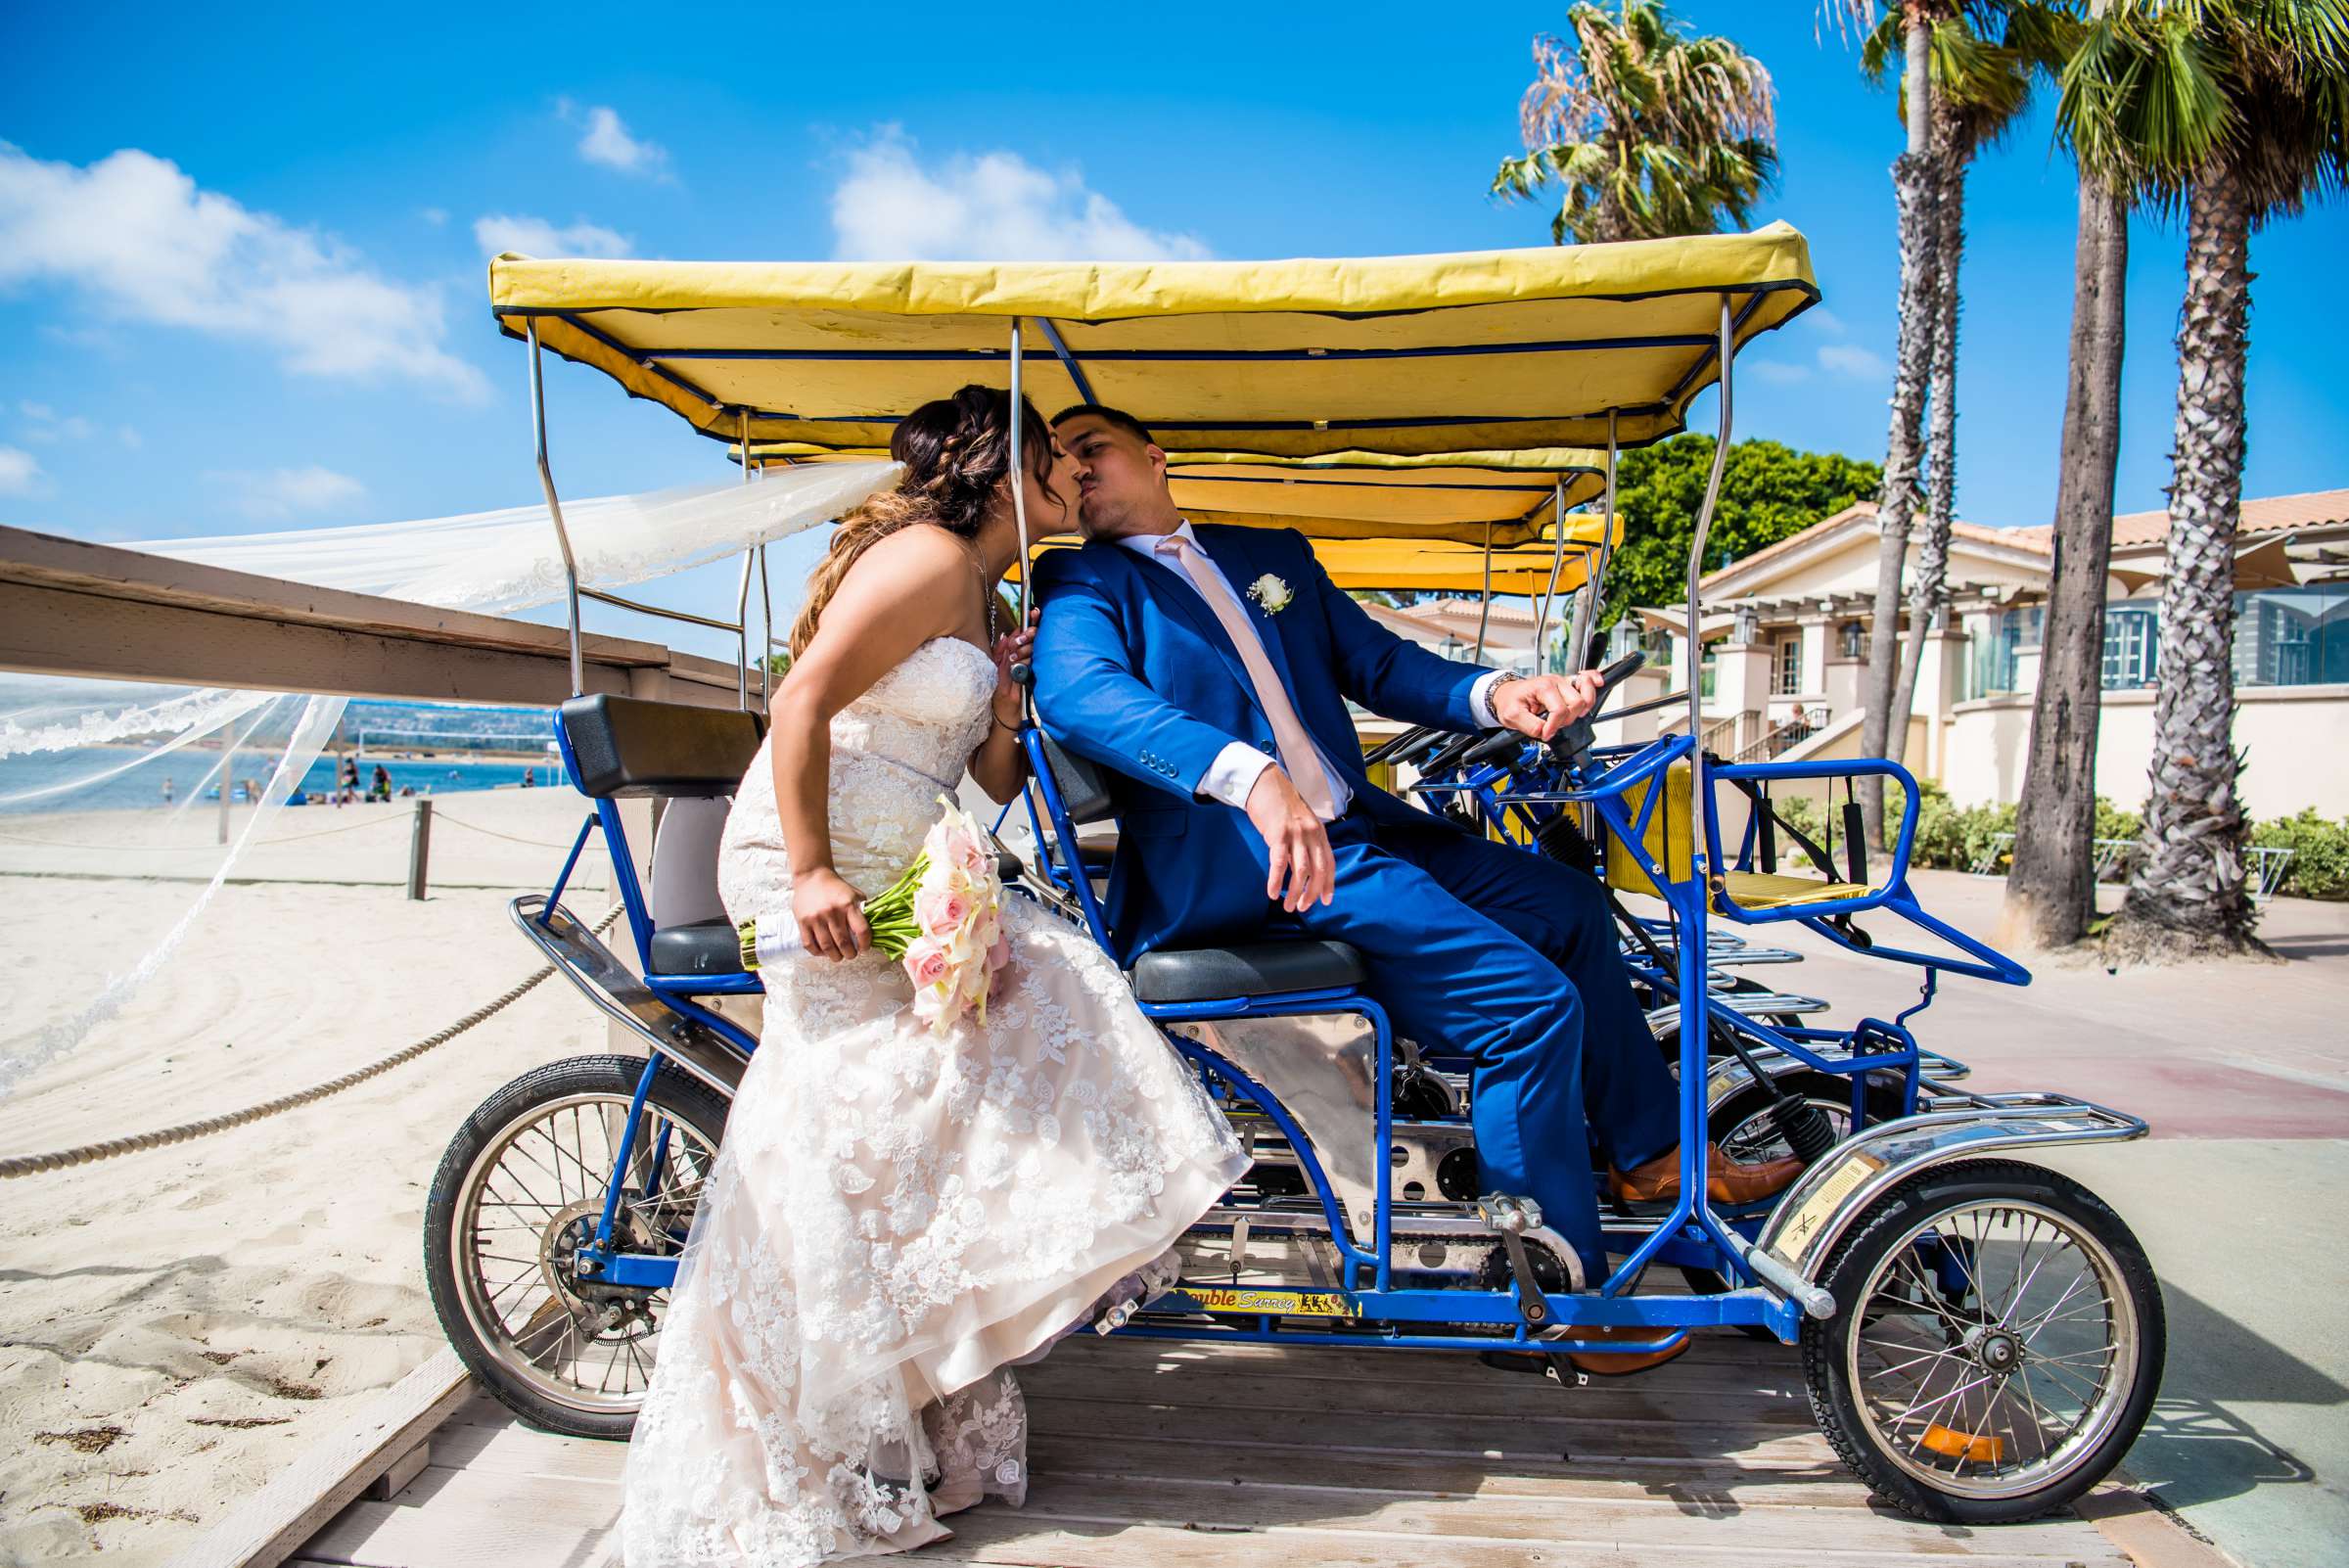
x=628 y=748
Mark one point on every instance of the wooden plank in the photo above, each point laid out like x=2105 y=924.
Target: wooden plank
x=72 y=608
x=1002 y=1535
x=1587 y=1521
x=466 y=1519
x=1654 y=1442
x=2153 y=1536
x=268 y=1527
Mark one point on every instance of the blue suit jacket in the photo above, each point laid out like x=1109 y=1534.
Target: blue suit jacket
x=1133 y=671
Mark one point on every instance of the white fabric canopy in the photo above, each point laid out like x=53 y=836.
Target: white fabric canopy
x=496 y=562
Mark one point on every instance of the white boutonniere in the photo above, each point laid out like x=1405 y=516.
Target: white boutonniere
x=1271 y=593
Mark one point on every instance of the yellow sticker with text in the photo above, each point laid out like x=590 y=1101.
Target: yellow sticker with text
x=1282 y=1303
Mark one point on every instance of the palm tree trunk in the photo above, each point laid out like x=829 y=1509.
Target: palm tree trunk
x=2187 y=893
x=2050 y=893
x=1928 y=589
x=1913 y=185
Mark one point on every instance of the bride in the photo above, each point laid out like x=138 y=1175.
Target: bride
x=896 y=1216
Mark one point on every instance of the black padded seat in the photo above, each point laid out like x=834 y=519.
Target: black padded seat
x=630 y=749
x=1256 y=969
x=697 y=947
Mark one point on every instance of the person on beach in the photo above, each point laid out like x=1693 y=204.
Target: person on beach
x=380 y=786
x=898 y=1214
x=166 y=789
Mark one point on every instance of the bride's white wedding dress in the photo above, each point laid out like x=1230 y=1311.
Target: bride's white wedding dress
x=894 y=1216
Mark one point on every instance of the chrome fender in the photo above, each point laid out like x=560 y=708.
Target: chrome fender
x=1826 y=1199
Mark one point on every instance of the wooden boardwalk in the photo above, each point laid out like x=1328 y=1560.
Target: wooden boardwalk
x=1178 y=1455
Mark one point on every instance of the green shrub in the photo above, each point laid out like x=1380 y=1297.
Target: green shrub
x=2319 y=866
x=1957 y=838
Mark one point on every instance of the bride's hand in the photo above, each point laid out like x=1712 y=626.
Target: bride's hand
x=830 y=914
x=1012 y=648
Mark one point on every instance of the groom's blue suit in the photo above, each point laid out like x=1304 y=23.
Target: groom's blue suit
x=1506 y=957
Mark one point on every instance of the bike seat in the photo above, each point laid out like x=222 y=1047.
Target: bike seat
x=1252 y=969
x=697 y=947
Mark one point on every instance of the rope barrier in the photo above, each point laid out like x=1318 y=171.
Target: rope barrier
x=258 y=843
x=25 y=1165
x=440 y=816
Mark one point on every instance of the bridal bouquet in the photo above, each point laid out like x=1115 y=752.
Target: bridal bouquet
x=942 y=920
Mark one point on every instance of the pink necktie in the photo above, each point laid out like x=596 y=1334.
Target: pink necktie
x=1298 y=754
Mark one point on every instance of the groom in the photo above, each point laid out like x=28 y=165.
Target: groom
x=1210 y=667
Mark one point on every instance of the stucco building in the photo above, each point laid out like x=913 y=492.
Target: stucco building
x=1786 y=634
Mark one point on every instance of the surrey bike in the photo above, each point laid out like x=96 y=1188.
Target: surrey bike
x=1982 y=1337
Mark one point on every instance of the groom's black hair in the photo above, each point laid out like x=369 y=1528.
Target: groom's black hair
x=1114 y=416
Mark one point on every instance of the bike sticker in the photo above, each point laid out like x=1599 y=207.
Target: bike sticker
x=1824 y=1202
x=1284 y=1303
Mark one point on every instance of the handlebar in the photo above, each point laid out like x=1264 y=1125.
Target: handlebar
x=1575 y=737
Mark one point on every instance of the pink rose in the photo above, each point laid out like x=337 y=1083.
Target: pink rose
x=925 y=963
x=941 y=910
x=964 y=853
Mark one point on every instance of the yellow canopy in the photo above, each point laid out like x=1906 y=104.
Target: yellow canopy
x=1365 y=495
x=1405 y=355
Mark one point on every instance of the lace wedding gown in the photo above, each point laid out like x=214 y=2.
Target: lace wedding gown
x=896 y=1216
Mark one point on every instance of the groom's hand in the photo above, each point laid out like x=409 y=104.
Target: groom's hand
x=1298 y=840
x=1540 y=706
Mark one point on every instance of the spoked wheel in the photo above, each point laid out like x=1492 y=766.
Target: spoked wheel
x=1996 y=1348
x=521 y=1190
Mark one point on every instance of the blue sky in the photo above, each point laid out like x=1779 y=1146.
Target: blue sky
x=241 y=260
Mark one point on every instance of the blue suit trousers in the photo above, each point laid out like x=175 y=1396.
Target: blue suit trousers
x=1510 y=960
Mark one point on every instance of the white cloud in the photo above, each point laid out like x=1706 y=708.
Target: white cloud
x=147 y=244
x=1850 y=359
x=44 y=425
x=606 y=142
x=1844 y=359
x=895 y=205
x=435 y=215
x=20 y=474
x=288 y=492
x=536 y=236
x=1825 y=320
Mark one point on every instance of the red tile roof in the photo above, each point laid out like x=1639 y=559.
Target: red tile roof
x=2266 y=514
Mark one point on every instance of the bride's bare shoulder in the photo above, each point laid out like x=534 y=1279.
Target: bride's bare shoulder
x=919 y=555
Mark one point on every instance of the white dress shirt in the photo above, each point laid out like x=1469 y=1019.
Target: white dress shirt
x=1238 y=766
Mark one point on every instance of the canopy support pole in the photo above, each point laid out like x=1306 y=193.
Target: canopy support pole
x=1019 y=497
x=1068 y=360
x=1586 y=608
x=766 y=634
x=742 y=588
x=1557 y=565
x=554 y=505
x=1697 y=804
x=1484 y=617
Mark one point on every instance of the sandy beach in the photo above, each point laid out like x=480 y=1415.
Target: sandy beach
x=177 y=1324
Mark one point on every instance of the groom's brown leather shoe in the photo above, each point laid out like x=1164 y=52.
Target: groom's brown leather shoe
x=1727 y=1180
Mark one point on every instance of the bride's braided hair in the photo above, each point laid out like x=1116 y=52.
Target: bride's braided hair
x=957 y=456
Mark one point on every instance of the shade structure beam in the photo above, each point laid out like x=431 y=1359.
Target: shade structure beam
x=554 y=510
x=1594 y=593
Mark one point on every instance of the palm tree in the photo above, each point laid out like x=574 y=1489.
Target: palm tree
x=1916 y=191
x=2052 y=890
x=1650 y=132
x=2237 y=111
x=1980 y=84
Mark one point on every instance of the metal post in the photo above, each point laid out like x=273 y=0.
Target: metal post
x=1557 y=565
x=1484 y=617
x=554 y=505
x=766 y=635
x=1697 y=804
x=419 y=845
x=228 y=759
x=1019 y=497
x=742 y=589
x=1586 y=612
